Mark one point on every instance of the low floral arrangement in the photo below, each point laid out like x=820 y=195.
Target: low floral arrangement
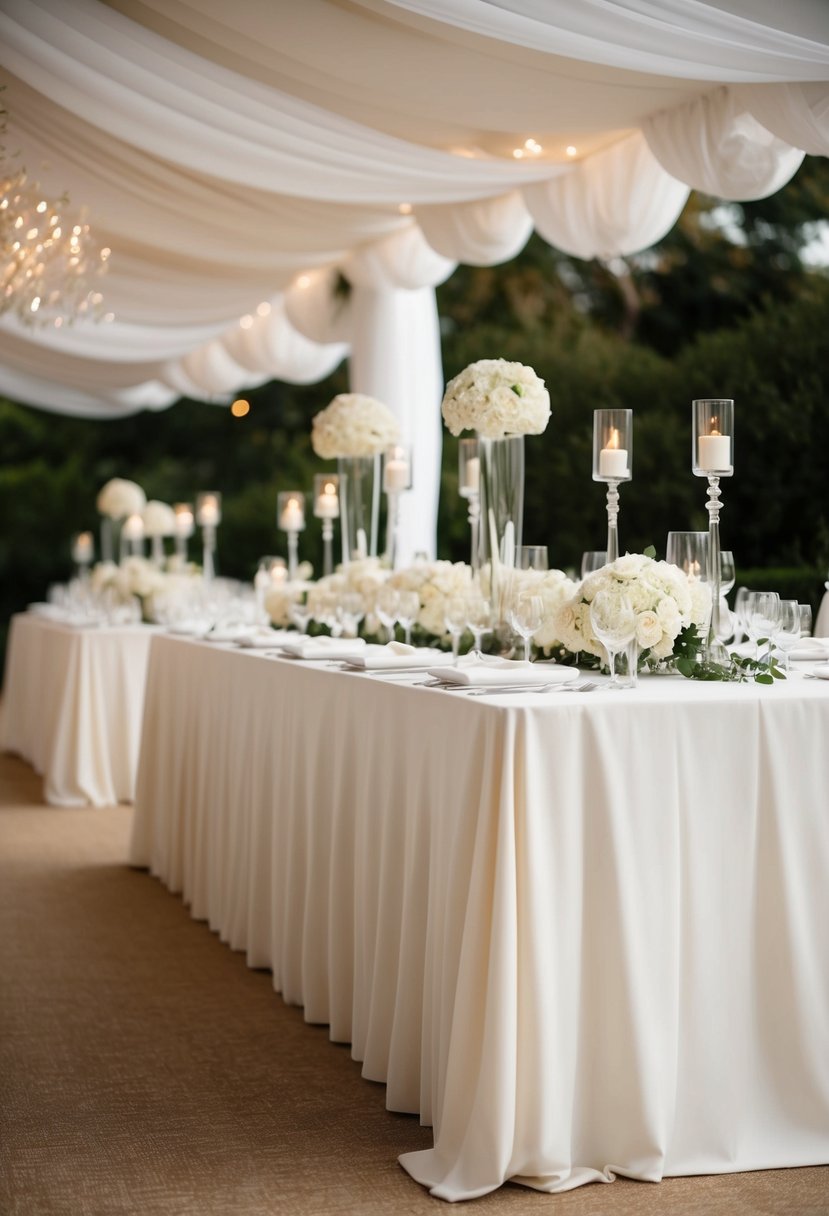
x=353 y=425
x=667 y=604
x=496 y=398
x=436 y=583
x=159 y=519
x=119 y=498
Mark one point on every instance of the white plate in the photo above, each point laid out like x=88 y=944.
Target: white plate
x=821 y=672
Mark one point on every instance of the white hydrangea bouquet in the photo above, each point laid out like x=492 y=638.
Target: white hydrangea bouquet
x=496 y=398
x=665 y=600
x=120 y=498
x=435 y=583
x=353 y=425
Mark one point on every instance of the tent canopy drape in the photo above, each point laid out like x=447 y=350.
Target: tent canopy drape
x=237 y=156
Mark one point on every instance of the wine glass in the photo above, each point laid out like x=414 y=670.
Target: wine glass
x=762 y=615
x=300 y=611
x=786 y=634
x=533 y=557
x=408 y=610
x=526 y=613
x=805 y=620
x=689 y=551
x=388 y=606
x=455 y=619
x=478 y=619
x=351 y=611
x=614 y=624
x=593 y=560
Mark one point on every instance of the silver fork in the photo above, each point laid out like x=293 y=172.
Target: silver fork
x=582 y=686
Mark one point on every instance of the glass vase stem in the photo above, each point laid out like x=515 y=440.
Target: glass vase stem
x=474 y=530
x=612 y=521
x=293 y=555
x=327 y=542
x=209 y=550
x=392 y=526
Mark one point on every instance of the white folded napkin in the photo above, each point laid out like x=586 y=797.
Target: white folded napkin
x=821 y=671
x=226 y=633
x=503 y=672
x=321 y=648
x=810 y=649
x=397 y=656
x=263 y=639
x=189 y=629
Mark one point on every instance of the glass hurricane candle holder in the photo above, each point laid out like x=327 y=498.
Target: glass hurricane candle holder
x=83 y=552
x=397 y=478
x=712 y=456
x=327 y=509
x=208 y=517
x=132 y=536
x=185 y=526
x=469 y=487
x=612 y=464
x=290 y=519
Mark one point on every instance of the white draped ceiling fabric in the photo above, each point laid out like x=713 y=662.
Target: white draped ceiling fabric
x=240 y=158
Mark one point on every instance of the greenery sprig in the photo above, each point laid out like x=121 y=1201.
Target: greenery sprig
x=688 y=663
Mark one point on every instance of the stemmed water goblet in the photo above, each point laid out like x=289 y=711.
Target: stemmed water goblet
x=762 y=614
x=533 y=557
x=478 y=619
x=352 y=611
x=455 y=620
x=593 y=560
x=786 y=634
x=300 y=611
x=388 y=607
x=614 y=623
x=408 y=610
x=526 y=614
x=805 y=619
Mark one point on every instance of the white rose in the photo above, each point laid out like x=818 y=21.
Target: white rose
x=648 y=630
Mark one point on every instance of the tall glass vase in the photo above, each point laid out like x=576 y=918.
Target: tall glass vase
x=359 y=505
x=502 y=512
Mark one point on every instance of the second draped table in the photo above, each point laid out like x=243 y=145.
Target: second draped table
x=580 y=935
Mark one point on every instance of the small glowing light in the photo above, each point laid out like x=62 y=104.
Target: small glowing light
x=304 y=280
x=109 y=316
x=41 y=207
x=35 y=304
x=105 y=253
x=405 y=208
x=246 y=321
x=263 y=309
x=240 y=408
x=518 y=153
x=571 y=150
x=533 y=146
x=77 y=230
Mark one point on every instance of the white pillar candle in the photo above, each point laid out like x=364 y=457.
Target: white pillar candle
x=613 y=460
x=327 y=505
x=184 y=523
x=134 y=527
x=472 y=475
x=82 y=550
x=396 y=474
x=278 y=575
x=209 y=513
x=714 y=452
x=292 y=518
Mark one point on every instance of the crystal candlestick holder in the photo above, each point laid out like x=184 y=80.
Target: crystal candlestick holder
x=184 y=528
x=612 y=464
x=712 y=456
x=469 y=487
x=397 y=478
x=290 y=518
x=208 y=517
x=327 y=509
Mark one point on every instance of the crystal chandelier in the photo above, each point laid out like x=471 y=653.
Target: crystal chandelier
x=51 y=264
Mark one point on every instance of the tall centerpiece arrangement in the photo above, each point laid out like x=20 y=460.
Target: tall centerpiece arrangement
x=712 y=456
x=354 y=430
x=502 y=402
x=117 y=500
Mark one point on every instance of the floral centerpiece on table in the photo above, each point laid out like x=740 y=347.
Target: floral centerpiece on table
x=665 y=600
x=353 y=425
x=120 y=498
x=496 y=398
x=435 y=583
x=554 y=589
x=134 y=577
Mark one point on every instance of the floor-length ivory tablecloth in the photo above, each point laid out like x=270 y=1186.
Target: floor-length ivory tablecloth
x=580 y=934
x=72 y=704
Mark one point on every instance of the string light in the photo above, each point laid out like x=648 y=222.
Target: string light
x=50 y=265
x=240 y=408
x=530 y=148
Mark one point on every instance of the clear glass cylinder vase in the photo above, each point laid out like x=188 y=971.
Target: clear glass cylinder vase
x=359 y=505
x=502 y=511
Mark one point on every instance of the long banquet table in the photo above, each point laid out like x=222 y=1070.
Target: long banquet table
x=581 y=935
x=73 y=698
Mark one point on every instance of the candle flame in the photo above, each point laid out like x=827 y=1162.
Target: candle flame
x=714 y=430
x=330 y=487
x=613 y=441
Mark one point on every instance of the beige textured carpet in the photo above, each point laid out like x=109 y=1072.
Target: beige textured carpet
x=144 y=1069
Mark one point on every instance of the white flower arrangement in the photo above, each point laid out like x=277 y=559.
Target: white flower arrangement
x=436 y=583
x=353 y=425
x=664 y=599
x=554 y=589
x=120 y=498
x=496 y=398
x=159 y=519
